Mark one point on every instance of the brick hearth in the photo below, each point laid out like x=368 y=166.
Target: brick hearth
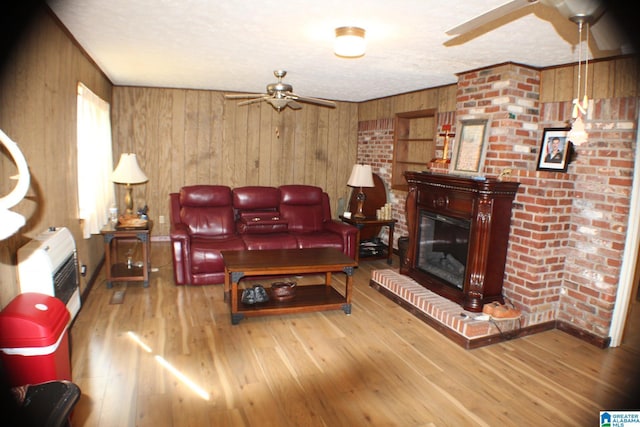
x=444 y=315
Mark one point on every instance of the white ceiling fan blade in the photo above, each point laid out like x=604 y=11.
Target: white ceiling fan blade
x=244 y=95
x=317 y=101
x=489 y=16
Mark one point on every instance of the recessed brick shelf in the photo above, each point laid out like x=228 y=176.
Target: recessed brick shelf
x=445 y=315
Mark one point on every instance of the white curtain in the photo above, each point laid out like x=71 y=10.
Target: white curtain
x=96 y=192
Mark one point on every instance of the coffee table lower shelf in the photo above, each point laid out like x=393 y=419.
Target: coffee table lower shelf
x=308 y=298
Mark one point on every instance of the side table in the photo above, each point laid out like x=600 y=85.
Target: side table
x=118 y=271
x=361 y=223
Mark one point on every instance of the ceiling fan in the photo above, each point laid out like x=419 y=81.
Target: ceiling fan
x=592 y=12
x=280 y=95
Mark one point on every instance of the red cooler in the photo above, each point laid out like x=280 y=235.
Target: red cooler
x=34 y=343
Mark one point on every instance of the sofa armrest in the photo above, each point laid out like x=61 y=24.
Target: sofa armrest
x=179 y=231
x=349 y=235
x=181 y=248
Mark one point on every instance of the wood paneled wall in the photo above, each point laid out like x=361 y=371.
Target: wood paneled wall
x=38 y=111
x=615 y=78
x=185 y=137
x=442 y=98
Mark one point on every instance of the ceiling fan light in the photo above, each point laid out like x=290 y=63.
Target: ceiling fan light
x=278 y=103
x=350 y=42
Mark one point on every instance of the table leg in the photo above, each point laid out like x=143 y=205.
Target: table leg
x=327 y=279
x=235 y=316
x=145 y=259
x=348 y=288
x=227 y=280
x=359 y=227
x=390 y=246
x=107 y=256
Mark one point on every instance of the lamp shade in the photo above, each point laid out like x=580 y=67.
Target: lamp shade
x=128 y=171
x=350 y=42
x=361 y=176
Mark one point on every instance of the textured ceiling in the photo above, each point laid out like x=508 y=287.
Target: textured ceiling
x=232 y=45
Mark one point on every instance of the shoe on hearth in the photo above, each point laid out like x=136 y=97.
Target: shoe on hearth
x=505 y=313
x=260 y=293
x=248 y=296
x=489 y=308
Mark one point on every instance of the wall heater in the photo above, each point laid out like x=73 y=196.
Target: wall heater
x=49 y=265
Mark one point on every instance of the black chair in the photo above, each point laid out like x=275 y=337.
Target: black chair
x=47 y=404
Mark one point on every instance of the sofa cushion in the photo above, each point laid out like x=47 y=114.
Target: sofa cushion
x=270 y=241
x=256 y=198
x=205 y=196
x=207 y=210
x=205 y=253
x=320 y=239
x=301 y=207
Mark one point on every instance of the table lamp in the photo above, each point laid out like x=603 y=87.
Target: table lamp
x=361 y=176
x=128 y=172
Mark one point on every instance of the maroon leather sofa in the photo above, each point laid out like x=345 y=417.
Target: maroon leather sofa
x=206 y=219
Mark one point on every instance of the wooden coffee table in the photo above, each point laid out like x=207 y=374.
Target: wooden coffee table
x=282 y=262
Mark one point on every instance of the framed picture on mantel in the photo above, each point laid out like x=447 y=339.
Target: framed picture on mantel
x=470 y=149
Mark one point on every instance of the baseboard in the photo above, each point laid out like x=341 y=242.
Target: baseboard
x=91 y=281
x=601 y=342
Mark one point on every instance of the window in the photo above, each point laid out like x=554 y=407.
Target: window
x=96 y=192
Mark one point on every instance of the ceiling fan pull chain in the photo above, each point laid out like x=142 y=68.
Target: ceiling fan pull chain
x=585 y=100
x=579 y=86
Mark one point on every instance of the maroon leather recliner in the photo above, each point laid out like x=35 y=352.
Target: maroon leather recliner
x=202 y=225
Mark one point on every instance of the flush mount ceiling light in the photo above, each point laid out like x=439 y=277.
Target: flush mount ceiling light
x=350 y=42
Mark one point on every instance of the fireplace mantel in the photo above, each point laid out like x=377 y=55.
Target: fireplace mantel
x=486 y=204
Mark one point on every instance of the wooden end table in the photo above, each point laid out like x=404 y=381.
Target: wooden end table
x=282 y=262
x=121 y=271
x=361 y=223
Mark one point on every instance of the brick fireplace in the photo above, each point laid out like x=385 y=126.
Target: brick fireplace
x=568 y=229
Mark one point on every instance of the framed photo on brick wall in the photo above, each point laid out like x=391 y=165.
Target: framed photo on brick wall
x=471 y=146
x=555 y=150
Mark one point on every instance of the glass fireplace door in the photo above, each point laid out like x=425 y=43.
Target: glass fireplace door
x=443 y=244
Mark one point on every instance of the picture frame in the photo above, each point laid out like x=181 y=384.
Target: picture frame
x=471 y=146
x=555 y=150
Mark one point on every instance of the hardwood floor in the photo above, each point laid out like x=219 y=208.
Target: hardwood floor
x=380 y=366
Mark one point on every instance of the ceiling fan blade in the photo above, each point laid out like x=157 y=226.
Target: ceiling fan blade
x=309 y=100
x=489 y=16
x=253 y=101
x=244 y=95
x=607 y=34
x=294 y=105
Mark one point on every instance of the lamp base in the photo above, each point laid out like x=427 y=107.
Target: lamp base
x=128 y=200
x=361 y=198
